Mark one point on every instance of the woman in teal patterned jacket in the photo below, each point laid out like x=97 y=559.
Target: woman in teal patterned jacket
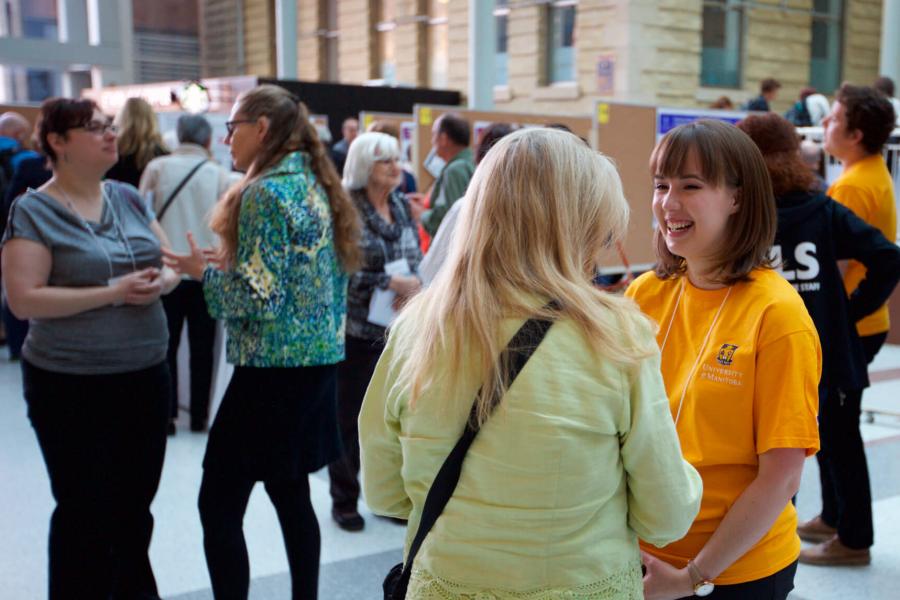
x=289 y=239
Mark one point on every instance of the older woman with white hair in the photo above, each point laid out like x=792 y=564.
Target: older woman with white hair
x=388 y=277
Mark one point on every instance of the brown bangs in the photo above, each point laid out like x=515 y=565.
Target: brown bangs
x=670 y=157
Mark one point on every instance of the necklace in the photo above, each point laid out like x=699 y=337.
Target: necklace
x=120 y=235
x=702 y=347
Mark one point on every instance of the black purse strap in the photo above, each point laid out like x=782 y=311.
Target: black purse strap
x=184 y=181
x=519 y=350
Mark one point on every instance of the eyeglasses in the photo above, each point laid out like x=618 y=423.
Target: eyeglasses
x=100 y=127
x=230 y=126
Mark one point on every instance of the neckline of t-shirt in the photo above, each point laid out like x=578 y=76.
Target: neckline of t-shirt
x=66 y=212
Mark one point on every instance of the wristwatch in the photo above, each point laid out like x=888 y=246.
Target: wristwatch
x=702 y=585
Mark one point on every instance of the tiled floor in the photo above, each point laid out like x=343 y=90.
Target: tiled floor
x=353 y=565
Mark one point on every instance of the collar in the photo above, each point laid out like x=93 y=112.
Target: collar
x=464 y=154
x=291 y=163
x=189 y=149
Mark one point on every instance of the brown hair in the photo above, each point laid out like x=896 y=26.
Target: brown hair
x=384 y=127
x=868 y=111
x=59 y=115
x=727 y=157
x=290 y=130
x=769 y=84
x=779 y=144
x=138 y=132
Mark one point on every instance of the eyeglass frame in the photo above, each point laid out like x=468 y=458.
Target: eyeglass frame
x=230 y=126
x=101 y=127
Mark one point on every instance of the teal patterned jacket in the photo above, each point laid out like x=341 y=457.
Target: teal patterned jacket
x=284 y=302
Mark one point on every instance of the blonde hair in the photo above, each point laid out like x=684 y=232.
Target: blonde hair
x=290 y=130
x=367 y=149
x=539 y=211
x=138 y=132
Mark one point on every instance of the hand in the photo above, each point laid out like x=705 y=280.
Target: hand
x=141 y=287
x=404 y=285
x=663 y=581
x=192 y=264
x=416 y=205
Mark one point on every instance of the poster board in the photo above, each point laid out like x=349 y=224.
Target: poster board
x=425 y=116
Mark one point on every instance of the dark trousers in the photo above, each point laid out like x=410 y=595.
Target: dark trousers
x=186 y=302
x=103 y=438
x=353 y=375
x=843 y=472
x=774 y=587
x=16 y=330
x=223 y=502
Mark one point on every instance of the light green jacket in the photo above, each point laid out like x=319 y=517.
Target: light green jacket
x=580 y=459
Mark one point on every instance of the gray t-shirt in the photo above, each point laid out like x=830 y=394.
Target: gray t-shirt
x=110 y=339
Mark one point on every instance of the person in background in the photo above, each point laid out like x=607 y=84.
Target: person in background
x=860 y=122
x=408 y=182
x=817 y=105
x=741 y=362
x=450 y=142
x=349 y=131
x=19 y=169
x=389 y=234
x=81 y=260
x=139 y=141
x=885 y=85
x=722 y=103
x=289 y=237
x=813 y=157
x=183 y=189
x=439 y=248
x=814 y=232
x=768 y=92
x=587 y=412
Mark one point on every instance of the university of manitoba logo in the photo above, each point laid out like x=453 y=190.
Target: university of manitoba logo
x=726 y=354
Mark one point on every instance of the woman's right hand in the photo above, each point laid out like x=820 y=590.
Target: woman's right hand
x=141 y=287
x=404 y=285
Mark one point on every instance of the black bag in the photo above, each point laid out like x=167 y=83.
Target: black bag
x=519 y=350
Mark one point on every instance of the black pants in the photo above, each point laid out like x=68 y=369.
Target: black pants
x=843 y=472
x=353 y=379
x=103 y=438
x=774 y=587
x=186 y=302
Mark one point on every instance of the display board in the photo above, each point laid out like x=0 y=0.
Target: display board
x=425 y=116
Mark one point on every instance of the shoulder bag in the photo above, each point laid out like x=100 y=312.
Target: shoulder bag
x=184 y=181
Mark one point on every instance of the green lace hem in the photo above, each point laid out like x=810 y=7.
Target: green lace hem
x=625 y=584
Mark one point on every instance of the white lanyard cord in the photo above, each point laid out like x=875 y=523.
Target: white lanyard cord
x=702 y=347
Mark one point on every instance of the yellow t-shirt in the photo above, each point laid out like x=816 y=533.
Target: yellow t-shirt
x=754 y=389
x=866 y=188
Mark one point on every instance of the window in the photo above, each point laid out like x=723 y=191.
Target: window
x=501 y=58
x=438 y=57
x=386 y=45
x=561 y=42
x=825 y=51
x=723 y=33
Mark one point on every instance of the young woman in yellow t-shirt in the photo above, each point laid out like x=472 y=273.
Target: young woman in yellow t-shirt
x=741 y=363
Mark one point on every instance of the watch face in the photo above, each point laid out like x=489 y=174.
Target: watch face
x=704 y=589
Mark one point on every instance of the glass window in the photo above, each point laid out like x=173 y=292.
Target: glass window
x=438 y=56
x=561 y=45
x=825 y=49
x=386 y=46
x=723 y=33
x=501 y=58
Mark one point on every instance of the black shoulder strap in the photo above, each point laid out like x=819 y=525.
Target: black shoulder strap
x=184 y=181
x=519 y=350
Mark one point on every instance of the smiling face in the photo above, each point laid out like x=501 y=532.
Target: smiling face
x=386 y=174
x=693 y=213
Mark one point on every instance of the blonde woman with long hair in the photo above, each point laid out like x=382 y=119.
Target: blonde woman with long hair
x=579 y=456
x=289 y=239
x=139 y=141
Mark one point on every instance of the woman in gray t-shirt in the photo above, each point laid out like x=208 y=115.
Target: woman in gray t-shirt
x=82 y=262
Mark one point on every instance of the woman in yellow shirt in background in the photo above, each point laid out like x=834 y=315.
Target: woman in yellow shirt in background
x=580 y=457
x=741 y=363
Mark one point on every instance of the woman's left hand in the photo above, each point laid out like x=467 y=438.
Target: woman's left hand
x=192 y=264
x=662 y=581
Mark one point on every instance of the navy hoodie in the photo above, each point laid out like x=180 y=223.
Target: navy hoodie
x=814 y=232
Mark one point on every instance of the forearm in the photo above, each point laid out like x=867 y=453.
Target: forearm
x=749 y=519
x=52 y=302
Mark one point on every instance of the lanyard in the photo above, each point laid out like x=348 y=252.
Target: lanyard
x=702 y=347
x=120 y=234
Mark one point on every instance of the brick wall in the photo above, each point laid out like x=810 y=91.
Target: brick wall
x=259 y=37
x=862 y=40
